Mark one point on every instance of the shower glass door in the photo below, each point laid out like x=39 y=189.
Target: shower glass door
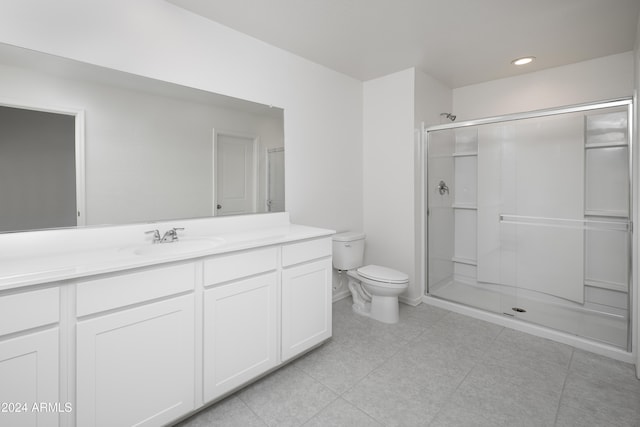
x=530 y=217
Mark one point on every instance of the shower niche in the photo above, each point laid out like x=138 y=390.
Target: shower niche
x=536 y=222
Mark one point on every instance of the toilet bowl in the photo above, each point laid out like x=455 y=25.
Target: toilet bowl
x=375 y=289
x=375 y=292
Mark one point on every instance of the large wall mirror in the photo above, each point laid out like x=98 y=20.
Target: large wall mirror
x=85 y=145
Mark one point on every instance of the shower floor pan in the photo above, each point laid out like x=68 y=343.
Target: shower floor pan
x=599 y=322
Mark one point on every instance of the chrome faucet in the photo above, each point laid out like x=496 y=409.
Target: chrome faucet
x=156 y=235
x=171 y=235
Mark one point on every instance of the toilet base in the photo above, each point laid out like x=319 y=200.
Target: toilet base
x=381 y=308
x=385 y=309
x=362 y=310
x=361 y=300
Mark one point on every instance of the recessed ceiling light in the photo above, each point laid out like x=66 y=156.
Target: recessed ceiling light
x=524 y=60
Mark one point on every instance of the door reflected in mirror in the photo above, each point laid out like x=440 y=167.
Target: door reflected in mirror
x=38 y=171
x=143 y=150
x=275 y=179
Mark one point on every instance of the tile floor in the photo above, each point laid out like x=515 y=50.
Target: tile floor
x=434 y=368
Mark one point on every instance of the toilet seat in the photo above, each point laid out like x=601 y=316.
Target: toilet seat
x=383 y=274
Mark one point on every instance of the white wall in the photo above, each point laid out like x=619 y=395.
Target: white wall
x=431 y=98
x=393 y=108
x=595 y=80
x=388 y=150
x=323 y=109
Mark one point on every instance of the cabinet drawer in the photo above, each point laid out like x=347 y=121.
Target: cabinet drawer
x=296 y=253
x=224 y=268
x=119 y=290
x=27 y=310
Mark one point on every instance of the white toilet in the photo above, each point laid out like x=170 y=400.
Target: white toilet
x=375 y=289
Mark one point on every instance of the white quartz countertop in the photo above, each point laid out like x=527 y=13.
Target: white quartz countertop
x=20 y=271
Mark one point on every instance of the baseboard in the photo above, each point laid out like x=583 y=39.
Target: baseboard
x=405 y=300
x=341 y=295
x=410 y=301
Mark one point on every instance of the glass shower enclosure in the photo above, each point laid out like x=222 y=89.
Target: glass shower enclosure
x=529 y=216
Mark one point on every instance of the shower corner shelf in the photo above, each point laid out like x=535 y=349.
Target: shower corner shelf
x=606 y=213
x=465 y=154
x=467 y=261
x=464 y=206
x=592 y=145
x=619 y=287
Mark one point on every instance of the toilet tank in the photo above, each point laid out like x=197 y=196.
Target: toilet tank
x=348 y=250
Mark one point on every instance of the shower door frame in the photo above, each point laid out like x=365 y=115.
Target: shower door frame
x=423 y=260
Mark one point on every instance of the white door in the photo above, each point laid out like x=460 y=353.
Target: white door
x=235 y=175
x=275 y=196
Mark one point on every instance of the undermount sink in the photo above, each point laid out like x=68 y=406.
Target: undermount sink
x=185 y=245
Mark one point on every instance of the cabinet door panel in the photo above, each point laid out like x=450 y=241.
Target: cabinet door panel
x=306 y=306
x=240 y=326
x=29 y=375
x=136 y=367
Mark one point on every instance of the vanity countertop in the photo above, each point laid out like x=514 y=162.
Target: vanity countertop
x=23 y=271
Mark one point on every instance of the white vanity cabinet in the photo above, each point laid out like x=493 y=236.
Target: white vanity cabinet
x=149 y=339
x=136 y=346
x=29 y=372
x=306 y=295
x=240 y=319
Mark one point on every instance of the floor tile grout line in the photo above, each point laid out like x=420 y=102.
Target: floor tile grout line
x=408 y=343
x=337 y=393
x=321 y=409
x=237 y=394
x=373 y=417
x=476 y=361
x=290 y=366
x=538 y=392
x=564 y=384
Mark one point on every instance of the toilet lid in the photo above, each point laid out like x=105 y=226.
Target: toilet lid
x=382 y=274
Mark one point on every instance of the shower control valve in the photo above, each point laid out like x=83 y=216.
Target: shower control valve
x=442 y=188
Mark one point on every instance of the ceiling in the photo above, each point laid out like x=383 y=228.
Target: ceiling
x=459 y=42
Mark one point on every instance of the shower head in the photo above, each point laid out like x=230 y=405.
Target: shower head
x=449 y=116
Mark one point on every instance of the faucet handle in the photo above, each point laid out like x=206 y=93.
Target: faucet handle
x=175 y=232
x=156 y=235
